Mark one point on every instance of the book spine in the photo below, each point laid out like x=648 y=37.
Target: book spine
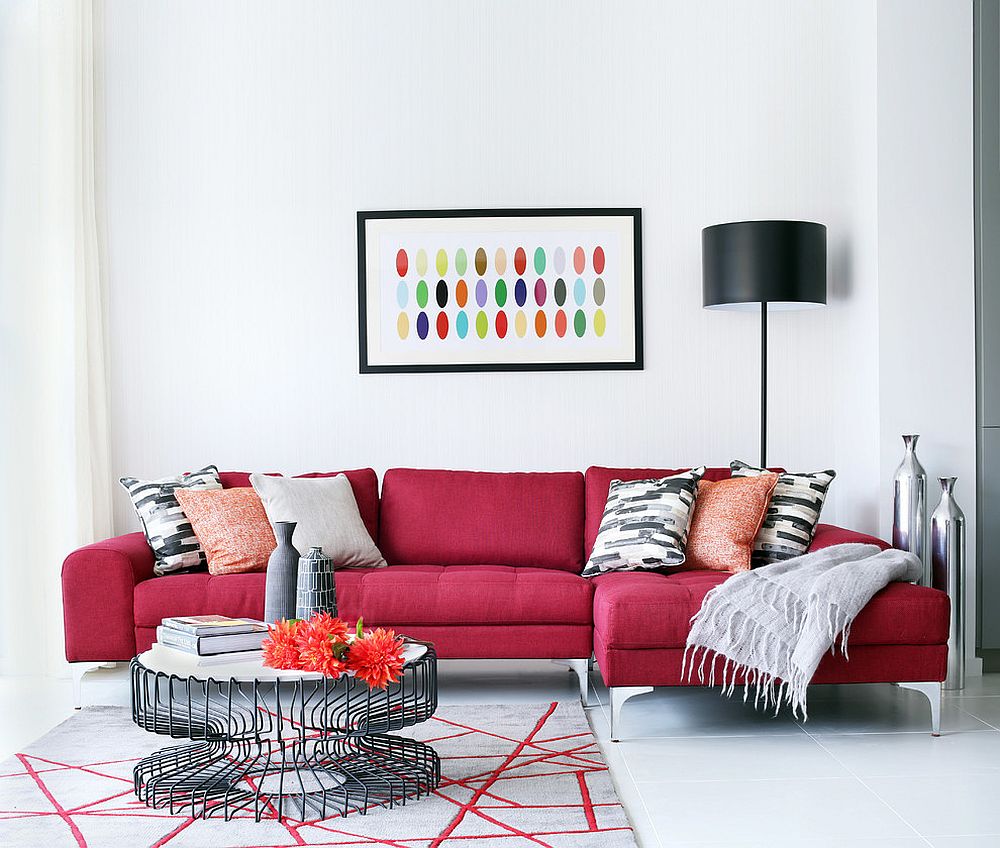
x=182 y=641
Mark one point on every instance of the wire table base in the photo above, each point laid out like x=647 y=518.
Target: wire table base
x=302 y=747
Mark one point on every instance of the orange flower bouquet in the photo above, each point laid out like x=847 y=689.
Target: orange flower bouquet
x=325 y=644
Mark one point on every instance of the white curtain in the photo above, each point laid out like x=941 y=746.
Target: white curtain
x=55 y=483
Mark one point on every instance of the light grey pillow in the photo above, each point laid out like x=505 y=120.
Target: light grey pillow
x=326 y=515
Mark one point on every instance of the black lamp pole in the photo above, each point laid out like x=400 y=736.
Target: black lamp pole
x=749 y=265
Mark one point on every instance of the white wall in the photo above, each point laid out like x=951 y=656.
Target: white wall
x=926 y=295
x=242 y=138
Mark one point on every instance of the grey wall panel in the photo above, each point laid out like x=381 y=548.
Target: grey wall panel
x=989 y=529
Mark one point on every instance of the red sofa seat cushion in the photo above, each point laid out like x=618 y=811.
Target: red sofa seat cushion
x=237 y=595
x=364 y=482
x=482 y=518
x=640 y=610
x=400 y=596
x=475 y=595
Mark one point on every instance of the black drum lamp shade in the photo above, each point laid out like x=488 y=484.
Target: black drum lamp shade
x=780 y=263
x=765 y=265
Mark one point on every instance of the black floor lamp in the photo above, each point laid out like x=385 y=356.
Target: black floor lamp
x=750 y=265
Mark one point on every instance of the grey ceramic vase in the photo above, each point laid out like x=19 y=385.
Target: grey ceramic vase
x=948 y=562
x=909 y=507
x=317 y=591
x=282 y=575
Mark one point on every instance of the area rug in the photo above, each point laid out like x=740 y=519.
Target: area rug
x=512 y=776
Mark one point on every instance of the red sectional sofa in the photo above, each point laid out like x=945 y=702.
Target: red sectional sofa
x=487 y=565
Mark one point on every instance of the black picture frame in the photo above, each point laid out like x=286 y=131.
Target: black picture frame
x=366 y=367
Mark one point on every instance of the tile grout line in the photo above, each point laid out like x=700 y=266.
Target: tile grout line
x=628 y=772
x=977 y=718
x=880 y=799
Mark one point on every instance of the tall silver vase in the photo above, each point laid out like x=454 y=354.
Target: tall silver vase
x=948 y=564
x=909 y=507
x=282 y=571
x=317 y=589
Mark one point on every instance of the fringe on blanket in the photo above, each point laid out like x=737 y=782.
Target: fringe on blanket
x=746 y=639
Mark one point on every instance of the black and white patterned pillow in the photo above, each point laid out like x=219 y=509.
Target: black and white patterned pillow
x=645 y=524
x=792 y=515
x=167 y=529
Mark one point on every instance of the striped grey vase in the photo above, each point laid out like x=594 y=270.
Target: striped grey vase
x=282 y=568
x=317 y=591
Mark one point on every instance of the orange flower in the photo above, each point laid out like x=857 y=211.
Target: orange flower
x=280 y=648
x=320 y=641
x=377 y=658
x=333 y=627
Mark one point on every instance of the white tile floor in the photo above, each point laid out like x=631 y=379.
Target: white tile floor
x=699 y=771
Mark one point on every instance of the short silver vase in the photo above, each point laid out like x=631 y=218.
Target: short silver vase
x=948 y=569
x=909 y=507
x=317 y=590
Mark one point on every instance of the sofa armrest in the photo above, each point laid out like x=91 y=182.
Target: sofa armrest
x=97 y=586
x=829 y=534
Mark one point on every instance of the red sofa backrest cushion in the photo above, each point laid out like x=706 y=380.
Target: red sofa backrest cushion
x=598 y=481
x=482 y=518
x=364 y=482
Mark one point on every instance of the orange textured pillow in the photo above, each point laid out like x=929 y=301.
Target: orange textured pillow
x=727 y=516
x=232 y=527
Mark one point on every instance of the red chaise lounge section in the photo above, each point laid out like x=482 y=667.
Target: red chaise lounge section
x=487 y=566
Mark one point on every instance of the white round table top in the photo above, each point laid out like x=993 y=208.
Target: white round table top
x=170 y=661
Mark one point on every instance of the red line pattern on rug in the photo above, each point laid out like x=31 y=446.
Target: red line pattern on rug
x=532 y=757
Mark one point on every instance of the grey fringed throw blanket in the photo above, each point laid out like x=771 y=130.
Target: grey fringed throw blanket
x=775 y=623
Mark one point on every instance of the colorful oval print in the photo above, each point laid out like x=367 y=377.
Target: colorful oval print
x=462 y=325
x=520 y=292
x=500 y=261
x=579 y=292
x=520 y=260
x=461 y=293
x=402 y=263
x=421 y=294
x=402 y=294
x=421 y=262
x=461 y=261
x=521 y=324
x=442 y=325
x=600 y=322
x=559 y=260
x=481 y=294
x=482 y=324
x=539 y=261
x=403 y=325
x=540 y=323
x=441 y=263
x=540 y=292
x=500 y=324
x=422 y=325
x=579 y=260
x=599 y=259
x=599 y=292
x=559 y=293
x=560 y=323
x=480 y=261
x=500 y=292
x=579 y=323
x=441 y=294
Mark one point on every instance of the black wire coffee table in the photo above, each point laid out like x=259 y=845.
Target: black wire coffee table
x=283 y=743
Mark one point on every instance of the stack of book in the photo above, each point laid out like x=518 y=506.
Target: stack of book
x=213 y=639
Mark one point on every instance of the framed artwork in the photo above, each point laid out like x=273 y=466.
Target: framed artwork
x=500 y=290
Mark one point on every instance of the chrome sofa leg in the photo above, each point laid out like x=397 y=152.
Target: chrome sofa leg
x=619 y=695
x=79 y=669
x=581 y=668
x=932 y=691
